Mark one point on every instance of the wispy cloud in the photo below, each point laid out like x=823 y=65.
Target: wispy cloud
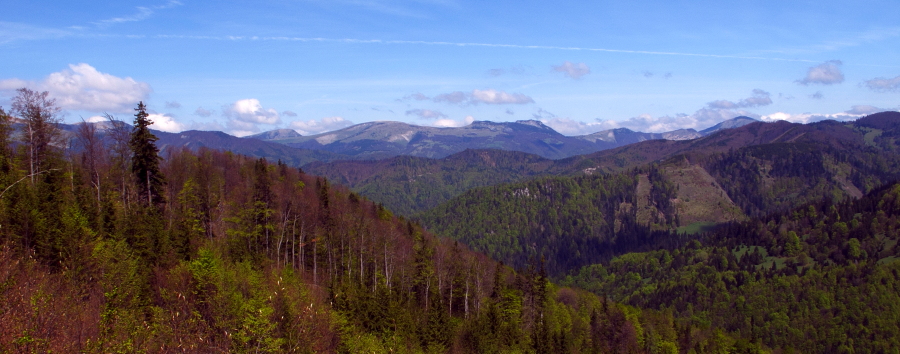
x=489 y=96
x=474 y=44
x=426 y=114
x=203 y=112
x=143 y=12
x=759 y=98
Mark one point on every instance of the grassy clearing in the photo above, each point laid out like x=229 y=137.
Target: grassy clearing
x=696 y=227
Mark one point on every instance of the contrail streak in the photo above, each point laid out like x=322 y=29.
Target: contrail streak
x=474 y=44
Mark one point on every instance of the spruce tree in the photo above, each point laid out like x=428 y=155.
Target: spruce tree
x=145 y=159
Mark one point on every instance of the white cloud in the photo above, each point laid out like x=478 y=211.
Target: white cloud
x=573 y=70
x=882 y=84
x=817 y=96
x=449 y=123
x=426 y=114
x=855 y=112
x=173 y=105
x=759 y=98
x=312 y=127
x=827 y=73
x=499 y=97
x=251 y=111
x=289 y=113
x=82 y=87
x=165 y=122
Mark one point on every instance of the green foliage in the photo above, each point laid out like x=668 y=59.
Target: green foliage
x=145 y=159
x=571 y=222
x=765 y=283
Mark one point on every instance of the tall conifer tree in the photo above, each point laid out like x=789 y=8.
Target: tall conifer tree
x=145 y=158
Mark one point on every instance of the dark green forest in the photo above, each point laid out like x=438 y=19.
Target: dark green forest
x=820 y=278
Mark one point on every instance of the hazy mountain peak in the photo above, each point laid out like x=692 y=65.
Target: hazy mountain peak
x=728 y=124
x=276 y=134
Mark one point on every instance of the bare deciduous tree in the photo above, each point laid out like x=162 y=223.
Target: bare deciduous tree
x=41 y=117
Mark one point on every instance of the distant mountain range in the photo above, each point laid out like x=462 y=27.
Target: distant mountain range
x=379 y=140
x=408 y=184
x=376 y=140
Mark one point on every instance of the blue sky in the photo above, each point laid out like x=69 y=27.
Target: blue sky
x=578 y=66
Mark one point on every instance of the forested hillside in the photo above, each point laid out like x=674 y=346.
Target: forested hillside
x=410 y=185
x=114 y=249
x=573 y=221
x=820 y=278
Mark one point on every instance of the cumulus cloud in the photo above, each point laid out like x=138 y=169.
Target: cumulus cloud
x=245 y=116
x=882 y=84
x=82 y=87
x=817 y=96
x=203 y=112
x=448 y=123
x=827 y=73
x=426 y=114
x=489 y=96
x=251 y=111
x=312 y=127
x=759 y=98
x=173 y=105
x=166 y=123
x=289 y=113
x=573 y=70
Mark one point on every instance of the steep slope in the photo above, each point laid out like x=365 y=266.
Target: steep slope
x=815 y=279
x=411 y=185
x=573 y=220
x=407 y=184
